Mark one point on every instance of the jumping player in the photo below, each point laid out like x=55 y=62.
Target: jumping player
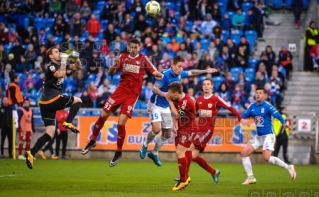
x=52 y=100
x=132 y=67
x=207 y=107
x=183 y=109
x=26 y=127
x=262 y=113
x=158 y=107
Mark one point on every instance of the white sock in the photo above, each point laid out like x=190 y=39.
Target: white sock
x=278 y=162
x=247 y=166
x=149 y=139
x=159 y=144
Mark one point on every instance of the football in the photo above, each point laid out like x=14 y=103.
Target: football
x=152 y=8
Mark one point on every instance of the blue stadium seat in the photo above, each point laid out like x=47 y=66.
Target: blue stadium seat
x=204 y=44
x=96 y=113
x=177 y=15
x=97 y=13
x=189 y=25
x=143 y=105
x=251 y=37
x=252 y=63
x=38 y=121
x=247 y=5
x=222 y=8
x=50 y=22
x=48 y=31
x=230 y=14
x=135 y=113
x=237 y=107
x=100 y=5
x=149 y=22
x=35 y=76
x=36 y=112
x=84 y=113
x=104 y=24
x=288 y=3
x=282 y=70
x=235 y=72
x=217 y=82
x=266 y=2
x=250 y=74
x=85 y=34
x=225 y=35
x=117 y=31
x=138 y=104
x=82 y=39
x=236 y=37
x=179 y=39
x=39 y=23
x=57 y=40
x=7 y=48
x=305 y=3
x=100 y=36
x=170 y=5
x=277 y=3
x=116 y=79
x=201 y=78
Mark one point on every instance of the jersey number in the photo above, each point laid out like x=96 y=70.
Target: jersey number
x=154 y=116
x=304 y=125
x=107 y=106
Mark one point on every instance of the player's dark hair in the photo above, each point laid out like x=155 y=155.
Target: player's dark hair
x=49 y=52
x=176 y=87
x=134 y=41
x=178 y=59
x=210 y=80
x=261 y=88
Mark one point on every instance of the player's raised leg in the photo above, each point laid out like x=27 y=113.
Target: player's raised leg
x=245 y=153
x=74 y=109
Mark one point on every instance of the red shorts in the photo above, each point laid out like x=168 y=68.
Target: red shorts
x=119 y=98
x=184 y=139
x=201 y=139
x=25 y=136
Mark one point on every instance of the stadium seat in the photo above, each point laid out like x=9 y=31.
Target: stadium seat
x=100 y=5
x=277 y=3
x=96 y=113
x=170 y=5
x=104 y=24
x=236 y=37
x=135 y=113
x=251 y=37
x=36 y=76
x=48 y=31
x=149 y=22
x=38 y=121
x=204 y=44
x=235 y=72
x=97 y=14
x=237 y=107
x=7 y=48
x=252 y=63
x=84 y=113
x=143 y=105
x=85 y=34
x=177 y=15
x=305 y=3
x=189 y=25
x=57 y=40
x=225 y=35
x=50 y=22
x=39 y=23
x=230 y=14
x=82 y=39
x=222 y=8
x=116 y=79
x=36 y=112
x=250 y=74
x=201 y=78
x=217 y=82
x=282 y=70
x=117 y=31
x=288 y=3
x=246 y=6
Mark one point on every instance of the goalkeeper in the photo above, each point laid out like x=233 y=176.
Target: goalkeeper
x=52 y=100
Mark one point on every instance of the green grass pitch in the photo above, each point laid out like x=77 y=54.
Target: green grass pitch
x=94 y=178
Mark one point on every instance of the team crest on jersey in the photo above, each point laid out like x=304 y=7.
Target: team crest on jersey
x=262 y=110
x=131 y=68
x=52 y=68
x=184 y=104
x=259 y=121
x=210 y=105
x=183 y=138
x=129 y=108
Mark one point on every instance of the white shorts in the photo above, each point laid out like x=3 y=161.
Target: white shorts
x=267 y=142
x=160 y=114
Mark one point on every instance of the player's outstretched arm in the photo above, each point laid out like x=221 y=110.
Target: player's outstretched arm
x=277 y=115
x=196 y=72
x=113 y=69
x=156 y=90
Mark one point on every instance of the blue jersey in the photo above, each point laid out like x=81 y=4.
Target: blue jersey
x=262 y=115
x=169 y=77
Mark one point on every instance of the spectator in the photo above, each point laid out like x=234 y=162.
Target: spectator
x=226 y=22
x=146 y=95
x=280 y=75
x=237 y=96
x=106 y=83
x=138 y=8
x=189 y=45
x=314 y=53
x=39 y=84
x=94 y=26
x=199 y=51
x=219 y=65
x=42 y=9
x=238 y=20
x=4 y=33
x=70 y=8
x=259 y=80
x=109 y=11
x=276 y=84
x=17 y=51
x=168 y=49
x=6 y=125
x=30 y=55
x=23 y=66
x=58 y=28
x=244 y=43
x=42 y=37
x=92 y=91
x=263 y=72
x=3 y=55
x=250 y=20
x=85 y=10
x=141 y=24
x=109 y=34
x=148 y=33
x=31 y=93
x=86 y=99
x=27 y=80
x=257 y=13
x=312 y=34
x=54 y=8
x=271 y=55
x=100 y=76
x=216 y=14
x=212 y=51
x=230 y=82
x=191 y=93
x=182 y=52
x=76 y=25
x=191 y=82
x=205 y=63
x=231 y=46
x=244 y=84
x=14 y=93
x=223 y=92
x=217 y=32
x=61 y=133
x=172 y=20
x=207 y=26
x=165 y=62
x=127 y=25
x=103 y=97
x=264 y=61
x=175 y=45
x=297 y=6
x=285 y=59
x=228 y=57
x=7 y=75
x=241 y=58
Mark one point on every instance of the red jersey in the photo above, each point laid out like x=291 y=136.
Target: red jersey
x=133 y=71
x=208 y=109
x=61 y=116
x=187 y=110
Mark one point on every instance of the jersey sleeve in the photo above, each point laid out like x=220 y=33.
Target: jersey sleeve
x=53 y=68
x=276 y=114
x=184 y=74
x=149 y=65
x=247 y=113
x=222 y=103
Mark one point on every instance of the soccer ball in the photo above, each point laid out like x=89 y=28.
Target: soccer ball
x=152 y=8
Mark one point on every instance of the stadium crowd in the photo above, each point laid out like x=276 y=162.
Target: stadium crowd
x=217 y=35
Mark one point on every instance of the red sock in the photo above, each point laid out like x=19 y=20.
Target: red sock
x=182 y=166
x=97 y=127
x=188 y=156
x=27 y=146
x=203 y=163
x=120 y=136
x=20 y=148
